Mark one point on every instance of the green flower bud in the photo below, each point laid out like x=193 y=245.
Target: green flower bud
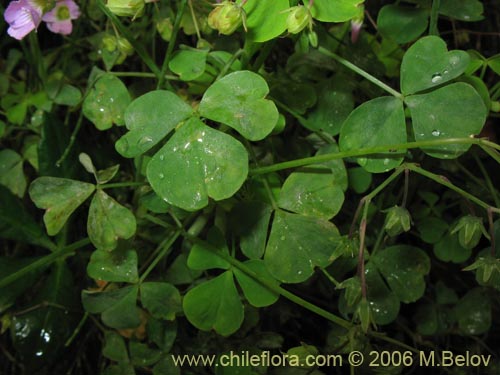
x=109 y=42
x=313 y=38
x=226 y=17
x=126 y=8
x=165 y=28
x=298 y=18
x=469 y=230
x=124 y=46
x=397 y=221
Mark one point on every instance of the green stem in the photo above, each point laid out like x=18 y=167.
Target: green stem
x=72 y=140
x=38 y=61
x=443 y=181
x=144 y=75
x=121 y=185
x=171 y=44
x=433 y=29
x=166 y=248
x=138 y=47
x=369 y=151
x=361 y=72
x=489 y=183
x=42 y=262
x=229 y=63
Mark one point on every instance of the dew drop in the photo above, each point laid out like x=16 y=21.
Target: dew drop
x=436 y=133
x=145 y=140
x=161 y=176
x=436 y=78
x=162 y=157
x=282 y=238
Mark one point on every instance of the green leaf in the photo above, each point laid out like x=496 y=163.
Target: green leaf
x=189 y=64
x=49 y=320
x=359 y=179
x=461 y=113
x=494 y=63
x=116 y=266
x=162 y=300
x=215 y=304
x=114 y=347
x=149 y=118
x=105 y=175
x=265 y=19
x=119 y=369
x=297 y=244
x=117 y=307
x=401 y=23
x=163 y=333
x=463 y=10
x=448 y=249
x=68 y=95
x=404 y=268
x=378 y=122
x=198 y=162
x=166 y=366
x=59 y=197
x=432 y=229
x=142 y=355
x=427 y=64
x=426 y=319
x=106 y=102
x=384 y=304
x=16 y=224
x=11 y=172
x=312 y=191
x=179 y=273
x=203 y=258
x=250 y=221
x=256 y=293
x=473 y=312
x=108 y=221
x=335 y=11
x=238 y=100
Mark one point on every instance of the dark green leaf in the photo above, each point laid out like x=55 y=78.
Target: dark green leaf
x=162 y=300
x=11 y=172
x=256 y=293
x=401 y=23
x=141 y=355
x=473 y=312
x=116 y=266
x=114 y=347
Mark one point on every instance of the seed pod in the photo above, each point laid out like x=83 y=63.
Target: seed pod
x=469 y=230
x=226 y=17
x=126 y=8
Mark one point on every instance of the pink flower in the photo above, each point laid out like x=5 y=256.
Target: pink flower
x=59 y=18
x=23 y=16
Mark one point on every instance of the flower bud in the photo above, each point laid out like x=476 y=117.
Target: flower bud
x=226 y=17
x=469 y=230
x=397 y=221
x=124 y=46
x=109 y=42
x=298 y=18
x=126 y=8
x=165 y=28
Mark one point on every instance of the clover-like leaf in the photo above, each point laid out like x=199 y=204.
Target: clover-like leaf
x=378 y=122
x=117 y=307
x=11 y=172
x=215 y=304
x=384 y=304
x=106 y=102
x=198 y=162
x=149 y=118
x=189 y=64
x=428 y=63
x=335 y=11
x=265 y=19
x=297 y=244
x=463 y=10
x=448 y=249
x=402 y=23
x=108 y=221
x=404 y=268
x=59 y=197
x=473 y=312
x=453 y=111
x=256 y=293
x=116 y=266
x=238 y=100
x=162 y=300
x=201 y=258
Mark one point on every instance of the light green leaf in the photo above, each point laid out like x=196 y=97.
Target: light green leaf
x=265 y=19
x=312 y=191
x=238 y=100
x=297 y=244
x=378 y=122
x=11 y=172
x=117 y=307
x=106 y=102
x=198 y=162
x=494 y=63
x=427 y=64
x=108 y=221
x=59 y=197
x=149 y=118
x=202 y=258
x=404 y=268
x=215 y=304
x=105 y=175
x=189 y=64
x=453 y=111
x=335 y=11
x=257 y=294
x=116 y=266
x=68 y=95
x=162 y=300
x=402 y=23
